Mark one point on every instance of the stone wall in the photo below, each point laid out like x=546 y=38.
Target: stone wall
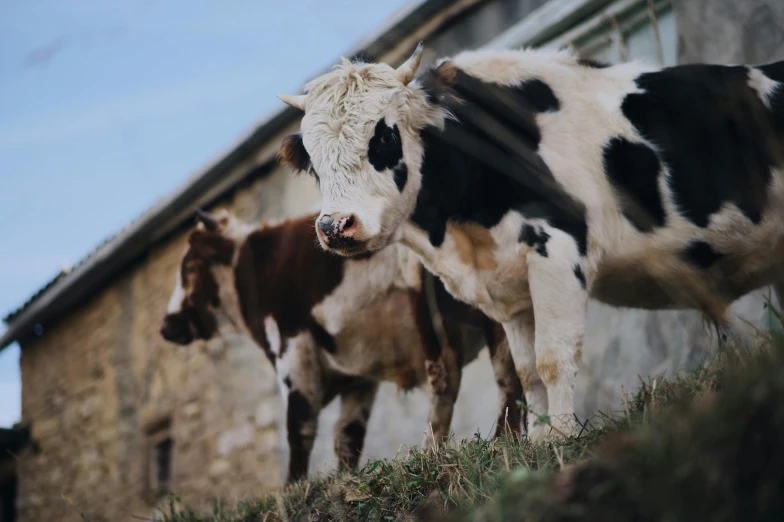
x=96 y=383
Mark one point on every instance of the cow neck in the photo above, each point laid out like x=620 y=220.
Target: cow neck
x=282 y=273
x=457 y=186
x=483 y=165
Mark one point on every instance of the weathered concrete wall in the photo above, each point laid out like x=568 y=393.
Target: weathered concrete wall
x=729 y=31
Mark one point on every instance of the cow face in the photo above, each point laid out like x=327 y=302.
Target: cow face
x=360 y=139
x=197 y=296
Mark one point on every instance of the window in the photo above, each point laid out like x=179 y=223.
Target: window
x=624 y=30
x=8 y=500
x=160 y=452
x=606 y=30
x=163 y=459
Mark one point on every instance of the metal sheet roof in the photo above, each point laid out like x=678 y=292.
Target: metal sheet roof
x=68 y=288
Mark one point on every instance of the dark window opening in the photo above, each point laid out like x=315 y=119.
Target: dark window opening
x=163 y=466
x=8 y=501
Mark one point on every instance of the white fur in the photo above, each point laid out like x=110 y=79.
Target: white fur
x=273 y=335
x=343 y=107
x=178 y=294
x=763 y=85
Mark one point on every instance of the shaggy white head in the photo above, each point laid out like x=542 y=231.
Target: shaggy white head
x=360 y=138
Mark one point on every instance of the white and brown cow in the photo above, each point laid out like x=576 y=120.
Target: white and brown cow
x=531 y=180
x=333 y=326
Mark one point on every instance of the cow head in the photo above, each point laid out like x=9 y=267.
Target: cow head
x=360 y=139
x=197 y=296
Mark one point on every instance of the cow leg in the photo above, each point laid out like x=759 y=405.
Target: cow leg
x=301 y=424
x=520 y=338
x=301 y=385
x=560 y=300
x=355 y=406
x=509 y=386
x=778 y=288
x=444 y=374
x=442 y=364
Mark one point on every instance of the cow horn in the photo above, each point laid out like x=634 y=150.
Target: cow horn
x=405 y=73
x=296 y=100
x=210 y=223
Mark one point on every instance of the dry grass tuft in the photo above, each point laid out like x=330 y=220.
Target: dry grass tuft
x=708 y=445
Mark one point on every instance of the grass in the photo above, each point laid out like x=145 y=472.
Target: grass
x=708 y=445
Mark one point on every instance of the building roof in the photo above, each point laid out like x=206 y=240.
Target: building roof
x=99 y=266
x=12 y=440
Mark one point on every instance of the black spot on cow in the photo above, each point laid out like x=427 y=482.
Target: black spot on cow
x=287 y=381
x=299 y=413
x=299 y=410
x=354 y=432
x=322 y=337
x=401 y=175
x=580 y=275
x=556 y=218
x=485 y=164
x=701 y=254
x=713 y=133
x=385 y=149
x=633 y=169
x=514 y=108
x=593 y=64
x=775 y=71
x=540 y=96
x=534 y=237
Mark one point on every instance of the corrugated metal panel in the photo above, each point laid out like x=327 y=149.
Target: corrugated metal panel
x=202 y=188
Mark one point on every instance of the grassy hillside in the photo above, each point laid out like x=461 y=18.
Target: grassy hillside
x=706 y=446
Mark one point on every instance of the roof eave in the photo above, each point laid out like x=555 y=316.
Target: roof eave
x=172 y=210
x=158 y=221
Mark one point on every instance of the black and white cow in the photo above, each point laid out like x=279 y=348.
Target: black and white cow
x=530 y=180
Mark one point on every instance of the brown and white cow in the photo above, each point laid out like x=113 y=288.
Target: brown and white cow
x=529 y=181
x=333 y=326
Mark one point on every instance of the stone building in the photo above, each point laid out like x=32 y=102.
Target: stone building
x=117 y=417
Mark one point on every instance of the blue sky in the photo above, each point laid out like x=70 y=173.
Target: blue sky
x=107 y=106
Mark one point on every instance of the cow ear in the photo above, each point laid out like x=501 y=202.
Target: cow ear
x=293 y=153
x=206 y=219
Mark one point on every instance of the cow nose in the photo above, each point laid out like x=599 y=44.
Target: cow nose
x=338 y=225
x=168 y=331
x=175 y=331
x=325 y=223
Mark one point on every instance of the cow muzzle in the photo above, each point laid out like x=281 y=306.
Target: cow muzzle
x=338 y=230
x=176 y=330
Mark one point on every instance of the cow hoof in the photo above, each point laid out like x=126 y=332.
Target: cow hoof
x=555 y=429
